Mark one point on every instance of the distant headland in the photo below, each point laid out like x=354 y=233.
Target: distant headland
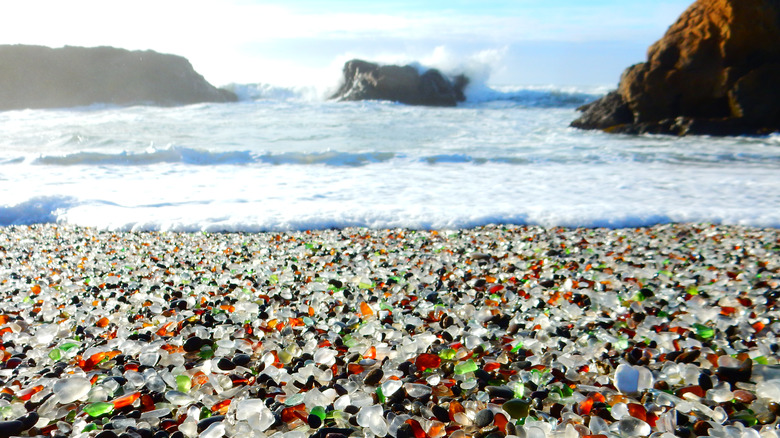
x=716 y=71
x=43 y=77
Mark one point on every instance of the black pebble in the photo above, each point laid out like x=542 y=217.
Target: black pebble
x=314 y=421
x=373 y=377
x=106 y=434
x=440 y=413
x=10 y=428
x=206 y=422
x=241 y=360
x=143 y=433
x=404 y=431
x=483 y=418
x=179 y=304
x=734 y=375
x=29 y=420
x=705 y=382
x=333 y=432
x=500 y=392
x=226 y=365
x=193 y=344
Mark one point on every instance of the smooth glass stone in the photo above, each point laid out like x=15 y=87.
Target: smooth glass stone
x=416 y=390
x=99 y=408
x=215 y=430
x=318 y=411
x=390 y=387
x=342 y=402
x=135 y=378
x=378 y=425
x=148 y=359
x=55 y=354
x=68 y=346
x=126 y=400
x=71 y=389
x=468 y=366
x=517 y=408
x=262 y=420
x=155 y=413
x=704 y=331
x=447 y=354
x=295 y=399
x=598 y=426
x=436 y=429
x=630 y=426
x=183 y=383
x=631 y=379
x=469 y=384
x=246 y=408
x=178 y=398
x=189 y=428
x=619 y=410
x=427 y=361
x=325 y=356
x=367 y=413
x=156 y=384
x=535 y=432
x=636 y=410
x=769 y=389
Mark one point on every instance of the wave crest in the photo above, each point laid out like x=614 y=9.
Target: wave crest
x=199 y=157
x=533 y=97
x=37 y=210
x=153 y=156
x=267 y=92
x=478 y=93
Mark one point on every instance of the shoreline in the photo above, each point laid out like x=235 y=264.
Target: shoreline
x=489 y=331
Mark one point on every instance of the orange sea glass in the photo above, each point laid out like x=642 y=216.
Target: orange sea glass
x=126 y=400
x=365 y=309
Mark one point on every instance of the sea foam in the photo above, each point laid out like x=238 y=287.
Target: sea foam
x=284 y=164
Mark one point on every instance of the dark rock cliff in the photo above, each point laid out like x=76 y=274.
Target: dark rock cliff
x=716 y=71
x=369 y=81
x=42 y=77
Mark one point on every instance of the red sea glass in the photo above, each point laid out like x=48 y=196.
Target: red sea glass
x=427 y=361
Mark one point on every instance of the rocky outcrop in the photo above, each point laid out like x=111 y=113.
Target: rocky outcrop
x=42 y=77
x=368 y=81
x=716 y=71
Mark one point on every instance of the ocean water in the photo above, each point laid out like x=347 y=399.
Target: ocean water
x=284 y=159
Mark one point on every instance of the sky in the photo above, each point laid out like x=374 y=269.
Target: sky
x=306 y=42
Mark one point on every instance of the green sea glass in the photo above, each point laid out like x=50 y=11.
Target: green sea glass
x=183 y=383
x=98 y=409
x=468 y=366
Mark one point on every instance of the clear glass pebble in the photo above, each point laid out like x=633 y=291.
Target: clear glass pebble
x=71 y=389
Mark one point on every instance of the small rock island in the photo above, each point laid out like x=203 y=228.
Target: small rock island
x=43 y=77
x=404 y=84
x=716 y=71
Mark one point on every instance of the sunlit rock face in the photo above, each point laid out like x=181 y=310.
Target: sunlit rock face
x=369 y=81
x=42 y=77
x=715 y=71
